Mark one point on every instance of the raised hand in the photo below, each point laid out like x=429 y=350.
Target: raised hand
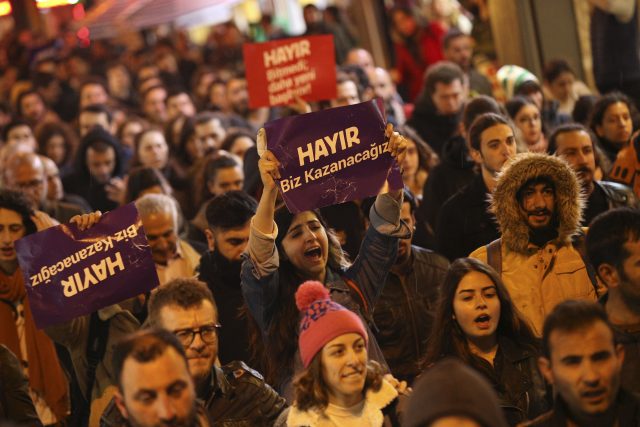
x=87 y=220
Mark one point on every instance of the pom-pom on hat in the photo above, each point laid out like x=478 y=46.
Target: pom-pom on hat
x=323 y=320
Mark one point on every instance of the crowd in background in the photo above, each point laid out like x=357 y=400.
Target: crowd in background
x=514 y=247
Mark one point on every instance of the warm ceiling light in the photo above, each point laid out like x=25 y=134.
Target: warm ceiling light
x=5 y=8
x=46 y=4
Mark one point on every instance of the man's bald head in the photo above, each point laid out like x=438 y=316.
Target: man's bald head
x=360 y=57
x=382 y=84
x=25 y=172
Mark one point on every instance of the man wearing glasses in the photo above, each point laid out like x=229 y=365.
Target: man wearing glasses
x=232 y=392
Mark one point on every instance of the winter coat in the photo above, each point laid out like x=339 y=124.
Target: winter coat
x=236 y=396
x=372 y=412
x=15 y=402
x=404 y=313
x=538 y=278
x=628 y=413
x=465 y=222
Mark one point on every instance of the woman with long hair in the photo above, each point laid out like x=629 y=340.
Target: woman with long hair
x=477 y=323
x=420 y=159
x=58 y=142
x=339 y=385
x=286 y=249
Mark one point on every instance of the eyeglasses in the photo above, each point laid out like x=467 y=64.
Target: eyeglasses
x=208 y=334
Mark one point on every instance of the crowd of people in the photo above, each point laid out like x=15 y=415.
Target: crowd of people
x=500 y=287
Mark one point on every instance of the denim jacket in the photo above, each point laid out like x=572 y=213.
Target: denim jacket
x=260 y=277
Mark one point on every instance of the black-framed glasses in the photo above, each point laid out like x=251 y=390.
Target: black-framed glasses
x=208 y=334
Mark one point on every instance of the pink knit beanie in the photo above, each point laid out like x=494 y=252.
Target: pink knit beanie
x=323 y=320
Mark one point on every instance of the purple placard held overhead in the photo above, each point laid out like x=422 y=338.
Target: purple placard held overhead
x=332 y=156
x=70 y=273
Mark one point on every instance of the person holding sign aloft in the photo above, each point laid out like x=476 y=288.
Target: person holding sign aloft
x=284 y=250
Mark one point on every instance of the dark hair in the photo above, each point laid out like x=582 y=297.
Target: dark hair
x=477 y=106
x=187 y=132
x=482 y=123
x=410 y=198
x=210 y=172
x=99 y=140
x=143 y=95
x=175 y=91
x=48 y=130
x=17 y=202
x=230 y=210
x=442 y=72
x=604 y=102
x=98 y=109
x=554 y=68
x=280 y=348
x=571 y=316
x=311 y=391
x=345 y=75
x=231 y=138
x=206 y=116
x=427 y=158
x=448 y=339
x=608 y=233
x=567 y=128
x=23 y=95
x=183 y=292
x=451 y=35
x=14 y=123
x=527 y=87
x=515 y=104
x=583 y=109
x=144 y=346
x=94 y=80
x=130 y=119
x=142 y=178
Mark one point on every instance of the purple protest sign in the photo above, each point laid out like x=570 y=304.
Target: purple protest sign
x=70 y=273
x=332 y=156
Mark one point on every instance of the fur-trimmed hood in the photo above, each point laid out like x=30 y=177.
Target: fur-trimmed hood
x=569 y=201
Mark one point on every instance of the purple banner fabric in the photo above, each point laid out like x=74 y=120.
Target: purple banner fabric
x=332 y=156
x=70 y=273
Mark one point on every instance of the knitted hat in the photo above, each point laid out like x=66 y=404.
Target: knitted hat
x=323 y=320
x=512 y=76
x=452 y=388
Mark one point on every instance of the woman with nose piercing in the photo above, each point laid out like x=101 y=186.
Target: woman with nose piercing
x=477 y=323
x=339 y=385
x=284 y=250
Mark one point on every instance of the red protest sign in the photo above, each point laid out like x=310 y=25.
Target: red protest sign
x=279 y=70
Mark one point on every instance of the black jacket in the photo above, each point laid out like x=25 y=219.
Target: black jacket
x=403 y=314
x=236 y=396
x=223 y=279
x=464 y=222
x=455 y=170
x=434 y=128
x=15 y=403
x=613 y=194
x=627 y=413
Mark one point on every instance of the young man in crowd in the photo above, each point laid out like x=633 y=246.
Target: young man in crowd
x=583 y=362
x=438 y=109
x=537 y=204
x=210 y=129
x=154 y=385
x=464 y=221
x=94 y=115
x=233 y=393
x=179 y=102
x=98 y=161
x=228 y=217
x=457 y=47
x=404 y=312
x=613 y=244
x=575 y=143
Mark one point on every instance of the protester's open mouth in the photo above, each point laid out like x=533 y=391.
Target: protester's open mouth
x=313 y=254
x=594 y=396
x=483 y=321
